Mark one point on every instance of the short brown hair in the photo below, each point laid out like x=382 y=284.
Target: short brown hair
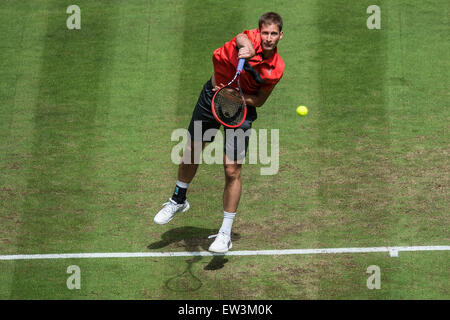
x=271 y=18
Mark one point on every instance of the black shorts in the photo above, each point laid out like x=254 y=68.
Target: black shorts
x=236 y=145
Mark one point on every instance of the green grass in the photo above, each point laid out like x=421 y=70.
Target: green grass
x=85 y=128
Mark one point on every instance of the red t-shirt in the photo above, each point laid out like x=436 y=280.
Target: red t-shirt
x=225 y=63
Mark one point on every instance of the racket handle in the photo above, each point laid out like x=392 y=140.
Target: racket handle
x=240 y=65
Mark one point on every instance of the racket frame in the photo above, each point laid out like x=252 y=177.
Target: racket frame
x=239 y=90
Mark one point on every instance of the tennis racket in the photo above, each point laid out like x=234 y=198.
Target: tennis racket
x=228 y=103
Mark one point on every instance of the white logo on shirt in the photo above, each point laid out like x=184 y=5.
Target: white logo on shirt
x=269 y=71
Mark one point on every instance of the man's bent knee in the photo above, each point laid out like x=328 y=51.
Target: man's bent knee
x=232 y=171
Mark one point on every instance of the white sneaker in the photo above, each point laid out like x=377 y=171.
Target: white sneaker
x=222 y=243
x=168 y=212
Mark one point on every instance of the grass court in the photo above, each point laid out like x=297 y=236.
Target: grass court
x=85 y=140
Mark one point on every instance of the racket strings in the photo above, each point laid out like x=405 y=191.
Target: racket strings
x=229 y=106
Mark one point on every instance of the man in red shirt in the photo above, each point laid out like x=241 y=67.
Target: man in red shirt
x=259 y=48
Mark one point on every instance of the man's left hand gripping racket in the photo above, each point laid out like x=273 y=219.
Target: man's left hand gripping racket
x=228 y=103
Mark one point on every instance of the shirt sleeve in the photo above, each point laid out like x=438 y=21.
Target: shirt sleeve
x=269 y=84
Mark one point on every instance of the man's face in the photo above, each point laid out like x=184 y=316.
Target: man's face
x=270 y=35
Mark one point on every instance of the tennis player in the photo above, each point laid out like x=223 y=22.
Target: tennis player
x=259 y=48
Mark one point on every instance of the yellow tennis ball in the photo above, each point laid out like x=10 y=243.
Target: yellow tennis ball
x=302 y=111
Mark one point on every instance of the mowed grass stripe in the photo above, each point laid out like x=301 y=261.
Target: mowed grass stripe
x=207 y=25
x=118 y=190
x=278 y=211
x=417 y=91
x=417 y=84
x=65 y=129
x=20 y=55
x=9 y=65
x=64 y=142
x=197 y=28
x=353 y=143
x=354 y=132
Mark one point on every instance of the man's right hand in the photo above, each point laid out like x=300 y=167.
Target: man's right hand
x=245 y=53
x=245 y=47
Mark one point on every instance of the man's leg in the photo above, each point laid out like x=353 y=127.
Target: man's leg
x=235 y=149
x=233 y=185
x=189 y=163
x=231 y=196
x=187 y=169
x=201 y=121
x=236 y=144
x=186 y=172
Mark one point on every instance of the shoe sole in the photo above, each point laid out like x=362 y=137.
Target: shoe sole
x=182 y=211
x=231 y=246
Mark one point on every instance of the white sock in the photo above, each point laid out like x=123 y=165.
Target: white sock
x=227 y=223
x=183 y=185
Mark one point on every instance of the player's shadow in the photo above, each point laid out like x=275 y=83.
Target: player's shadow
x=194 y=239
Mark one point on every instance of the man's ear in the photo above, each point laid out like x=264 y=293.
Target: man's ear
x=281 y=35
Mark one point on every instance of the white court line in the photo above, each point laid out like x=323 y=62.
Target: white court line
x=393 y=252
